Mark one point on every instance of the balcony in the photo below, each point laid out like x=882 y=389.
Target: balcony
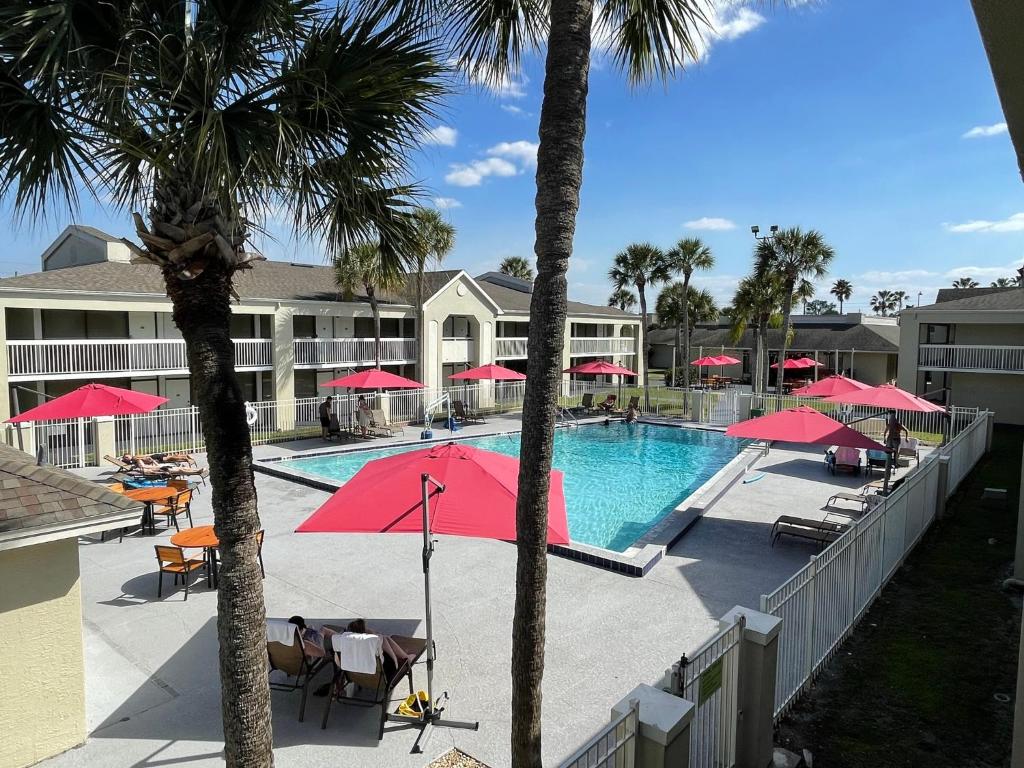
x=971 y=358
x=599 y=346
x=327 y=353
x=511 y=348
x=456 y=349
x=107 y=358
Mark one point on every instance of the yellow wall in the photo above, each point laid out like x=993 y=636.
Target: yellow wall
x=42 y=675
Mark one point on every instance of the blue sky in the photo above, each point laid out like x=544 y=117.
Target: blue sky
x=875 y=122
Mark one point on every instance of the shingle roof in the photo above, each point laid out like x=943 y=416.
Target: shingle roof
x=865 y=338
x=35 y=497
x=979 y=298
x=511 y=300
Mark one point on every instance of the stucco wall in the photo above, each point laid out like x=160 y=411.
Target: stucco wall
x=42 y=706
x=871 y=367
x=977 y=333
x=999 y=392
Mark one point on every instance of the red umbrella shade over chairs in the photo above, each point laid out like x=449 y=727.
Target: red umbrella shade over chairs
x=452 y=489
x=887 y=396
x=92 y=400
x=374 y=378
x=810 y=362
x=601 y=368
x=831 y=385
x=489 y=373
x=802 y=425
x=790 y=364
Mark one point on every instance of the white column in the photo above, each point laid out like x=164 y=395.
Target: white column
x=284 y=367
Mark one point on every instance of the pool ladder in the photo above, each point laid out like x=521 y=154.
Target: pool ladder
x=567 y=418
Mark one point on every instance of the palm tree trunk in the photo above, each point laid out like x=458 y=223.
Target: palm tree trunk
x=559 y=178
x=644 y=344
x=201 y=310
x=787 y=310
x=371 y=294
x=685 y=362
x=679 y=355
x=420 y=330
x=755 y=378
x=762 y=330
x=840 y=305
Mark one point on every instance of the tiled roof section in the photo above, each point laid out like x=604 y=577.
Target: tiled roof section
x=990 y=299
x=955 y=294
x=865 y=338
x=511 y=300
x=35 y=497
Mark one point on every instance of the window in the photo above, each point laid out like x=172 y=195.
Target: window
x=304 y=326
x=934 y=333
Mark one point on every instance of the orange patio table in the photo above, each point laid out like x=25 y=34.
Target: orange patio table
x=201 y=536
x=149 y=496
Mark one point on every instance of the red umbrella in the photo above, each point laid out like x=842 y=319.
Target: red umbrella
x=453 y=489
x=790 y=364
x=92 y=400
x=707 y=360
x=887 y=396
x=600 y=367
x=831 y=385
x=809 y=362
x=727 y=360
x=374 y=378
x=490 y=372
x=802 y=425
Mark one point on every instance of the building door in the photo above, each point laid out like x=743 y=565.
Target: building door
x=178 y=393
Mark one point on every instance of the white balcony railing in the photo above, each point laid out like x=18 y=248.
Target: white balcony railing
x=316 y=353
x=971 y=357
x=88 y=358
x=510 y=348
x=601 y=345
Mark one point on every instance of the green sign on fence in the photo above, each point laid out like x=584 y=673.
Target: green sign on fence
x=710 y=681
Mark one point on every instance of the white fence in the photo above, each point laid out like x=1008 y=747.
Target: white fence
x=614 y=746
x=601 y=345
x=971 y=357
x=65 y=442
x=821 y=604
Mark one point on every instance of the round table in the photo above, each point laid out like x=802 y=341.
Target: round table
x=201 y=536
x=149 y=496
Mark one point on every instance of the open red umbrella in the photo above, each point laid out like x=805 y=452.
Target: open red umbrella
x=887 y=396
x=453 y=489
x=790 y=364
x=700 y=362
x=809 y=362
x=831 y=385
x=601 y=368
x=374 y=378
x=489 y=372
x=802 y=425
x=92 y=400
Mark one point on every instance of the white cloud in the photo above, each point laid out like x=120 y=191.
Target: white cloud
x=1013 y=223
x=473 y=174
x=509 y=85
x=442 y=135
x=736 y=25
x=512 y=109
x=713 y=223
x=446 y=203
x=982 y=131
x=883 y=278
x=985 y=273
x=523 y=152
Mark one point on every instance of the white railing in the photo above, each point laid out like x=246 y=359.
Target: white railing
x=820 y=605
x=614 y=746
x=601 y=345
x=315 y=353
x=64 y=442
x=85 y=358
x=971 y=357
x=510 y=348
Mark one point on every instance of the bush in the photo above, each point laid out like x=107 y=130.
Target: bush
x=677 y=377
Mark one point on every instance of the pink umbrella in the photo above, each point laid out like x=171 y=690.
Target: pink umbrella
x=802 y=425
x=809 y=362
x=831 y=385
x=707 y=360
x=887 y=396
x=790 y=364
x=601 y=368
x=92 y=400
x=490 y=372
x=374 y=378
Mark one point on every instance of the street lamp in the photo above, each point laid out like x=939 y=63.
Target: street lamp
x=756 y=229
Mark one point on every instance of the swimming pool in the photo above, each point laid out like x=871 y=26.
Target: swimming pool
x=620 y=480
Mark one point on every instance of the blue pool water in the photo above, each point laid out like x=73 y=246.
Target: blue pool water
x=620 y=480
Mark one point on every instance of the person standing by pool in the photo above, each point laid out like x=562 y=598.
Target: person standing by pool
x=326 y=408
x=893 y=438
x=631 y=414
x=363 y=415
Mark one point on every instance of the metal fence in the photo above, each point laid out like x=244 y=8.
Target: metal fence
x=65 y=442
x=822 y=603
x=614 y=746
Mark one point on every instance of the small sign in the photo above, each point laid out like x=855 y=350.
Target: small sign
x=710 y=681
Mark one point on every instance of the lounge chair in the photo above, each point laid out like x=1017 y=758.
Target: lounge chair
x=586 y=404
x=875 y=460
x=173 y=560
x=121 y=465
x=844 y=458
x=857 y=498
x=608 y=405
x=379 y=424
x=878 y=485
x=464 y=415
x=376 y=684
x=911 y=448
x=286 y=653
x=822 y=531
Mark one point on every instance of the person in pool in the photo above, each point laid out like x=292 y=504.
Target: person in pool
x=631 y=414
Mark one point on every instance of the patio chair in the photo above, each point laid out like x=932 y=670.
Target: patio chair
x=843 y=458
x=173 y=560
x=333 y=426
x=379 y=423
x=878 y=485
x=180 y=505
x=375 y=684
x=857 y=498
x=586 y=404
x=911 y=448
x=634 y=402
x=608 y=405
x=464 y=415
x=286 y=653
x=124 y=467
x=875 y=460
x=822 y=531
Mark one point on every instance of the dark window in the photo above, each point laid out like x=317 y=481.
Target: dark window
x=304 y=326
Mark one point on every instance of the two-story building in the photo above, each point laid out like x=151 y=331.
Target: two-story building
x=90 y=315
x=967 y=349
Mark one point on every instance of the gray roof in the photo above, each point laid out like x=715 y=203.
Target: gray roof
x=864 y=338
x=979 y=299
x=512 y=300
x=34 y=497
x=99 y=233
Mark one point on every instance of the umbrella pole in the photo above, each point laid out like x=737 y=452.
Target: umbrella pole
x=431 y=715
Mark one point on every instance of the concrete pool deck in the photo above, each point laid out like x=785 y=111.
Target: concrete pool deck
x=151 y=665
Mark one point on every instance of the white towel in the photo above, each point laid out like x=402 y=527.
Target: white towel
x=359 y=652
x=280 y=631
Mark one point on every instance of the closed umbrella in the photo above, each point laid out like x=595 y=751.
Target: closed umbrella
x=92 y=400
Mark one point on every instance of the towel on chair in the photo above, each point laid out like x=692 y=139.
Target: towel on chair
x=359 y=652
x=280 y=631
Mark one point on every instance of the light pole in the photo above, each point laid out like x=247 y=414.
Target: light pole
x=756 y=229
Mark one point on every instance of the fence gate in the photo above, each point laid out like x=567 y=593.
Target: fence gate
x=65 y=443
x=723 y=409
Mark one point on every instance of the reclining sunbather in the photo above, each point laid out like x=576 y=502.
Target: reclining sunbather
x=156 y=460
x=392 y=650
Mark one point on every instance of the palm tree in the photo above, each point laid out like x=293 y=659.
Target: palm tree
x=965 y=282
x=206 y=115
x=362 y=265
x=803 y=293
x=516 y=266
x=898 y=298
x=883 y=302
x=434 y=240
x=640 y=265
x=670 y=307
x=701 y=308
x=623 y=299
x=758 y=302
x=1004 y=282
x=688 y=256
x=842 y=290
x=794 y=255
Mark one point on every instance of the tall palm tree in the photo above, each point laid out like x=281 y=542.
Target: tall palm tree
x=516 y=266
x=842 y=290
x=688 y=255
x=701 y=308
x=758 y=302
x=1004 y=282
x=883 y=303
x=803 y=293
x=670 y=307
x=434 y=240
x=898 y=298
x=204 y=115
x=794 y=255
x=640 y=265
x=623 y=299
x=362 y=265
x=965 y=282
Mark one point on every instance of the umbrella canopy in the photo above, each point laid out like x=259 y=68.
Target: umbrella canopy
x=810 y=362
x=790 y=364
x=802 y=425
x=385 y=496
x=886 y=396
x=600 y=367
x=708 y=360
x=490 y=372
x=92 y=400
x=374 y=378
x=727 y=360
x=831 y=385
